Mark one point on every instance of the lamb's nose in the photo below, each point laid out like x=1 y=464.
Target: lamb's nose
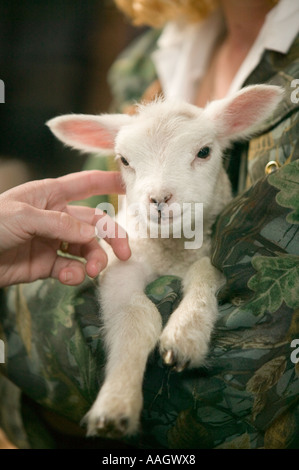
x=160 y=200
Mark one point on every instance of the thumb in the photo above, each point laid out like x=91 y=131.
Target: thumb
x=59 y=225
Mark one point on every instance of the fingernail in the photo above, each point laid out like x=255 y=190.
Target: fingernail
x=68 y=276
x=87 y=231
x=94 y=269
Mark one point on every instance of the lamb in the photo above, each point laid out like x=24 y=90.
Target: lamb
x=170 y=153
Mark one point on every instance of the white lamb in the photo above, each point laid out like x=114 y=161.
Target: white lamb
x=169 y=153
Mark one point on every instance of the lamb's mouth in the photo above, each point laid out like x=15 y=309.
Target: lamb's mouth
x=163 y=219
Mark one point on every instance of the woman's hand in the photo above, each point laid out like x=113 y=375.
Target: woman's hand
x=35 y=218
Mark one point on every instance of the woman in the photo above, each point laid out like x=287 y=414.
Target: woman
x=248 y=396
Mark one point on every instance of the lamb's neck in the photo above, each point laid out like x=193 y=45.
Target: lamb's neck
x=198 y=238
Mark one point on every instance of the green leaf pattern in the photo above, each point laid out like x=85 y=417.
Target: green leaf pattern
x=248 y=394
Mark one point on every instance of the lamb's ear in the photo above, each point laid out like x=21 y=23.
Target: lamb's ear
x=239 y=116
x=89 y=133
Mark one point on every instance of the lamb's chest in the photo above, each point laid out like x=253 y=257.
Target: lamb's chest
x=167 y=257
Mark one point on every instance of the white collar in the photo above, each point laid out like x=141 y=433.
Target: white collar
x=184 y=49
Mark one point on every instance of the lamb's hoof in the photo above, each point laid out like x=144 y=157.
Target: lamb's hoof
x=172 y=360
x=111 y=427
x=103 y=426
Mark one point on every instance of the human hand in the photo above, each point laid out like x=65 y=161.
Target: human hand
x=35 y=218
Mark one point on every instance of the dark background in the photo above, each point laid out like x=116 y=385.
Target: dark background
x=54 y=59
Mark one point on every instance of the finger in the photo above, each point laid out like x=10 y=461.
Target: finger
x=96 y=259
x=68 y=271
x=113 y=234
x=57 y=225
x=117 y=237
x=82 y=213
x=84 y=184
x=93 y=253
x=120 y=247
x=56 y=192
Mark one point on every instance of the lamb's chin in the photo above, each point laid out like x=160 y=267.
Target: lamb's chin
x=164 y=227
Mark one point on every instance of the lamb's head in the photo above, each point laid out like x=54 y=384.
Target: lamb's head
x=172 y=152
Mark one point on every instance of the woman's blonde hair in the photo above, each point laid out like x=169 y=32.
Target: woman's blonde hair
x=157 y=12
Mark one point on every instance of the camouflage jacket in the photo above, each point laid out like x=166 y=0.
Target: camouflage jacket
x=248 y=396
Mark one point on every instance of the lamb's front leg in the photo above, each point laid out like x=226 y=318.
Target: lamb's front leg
x=132 y=325
x=185 y=339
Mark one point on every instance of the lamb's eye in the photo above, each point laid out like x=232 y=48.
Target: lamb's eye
x=124 y=161
x=204 y=152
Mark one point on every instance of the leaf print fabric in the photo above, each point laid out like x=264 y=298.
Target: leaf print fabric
x=287 y=181
x=276 y=281
x=248 y=394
